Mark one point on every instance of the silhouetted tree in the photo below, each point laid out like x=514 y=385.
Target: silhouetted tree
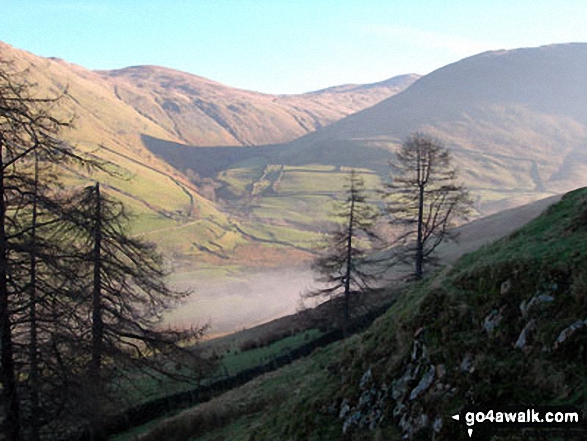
x=424 y=199
x=125 y=296
x=27 y=136
x=79 y=297
x=340 y=263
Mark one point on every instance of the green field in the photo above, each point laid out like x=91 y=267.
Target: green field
x=231 y=362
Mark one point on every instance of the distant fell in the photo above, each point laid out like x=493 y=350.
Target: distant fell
x=116 y=110
x=516 y=122
x=206 y=113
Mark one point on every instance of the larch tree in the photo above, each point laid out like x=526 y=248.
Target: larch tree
x=79 y=297
x=125 y=295
x=424 y=200
x=340 y=266
x=27 y=135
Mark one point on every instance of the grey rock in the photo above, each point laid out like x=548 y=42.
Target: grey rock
x=399 y=409
x=492 y=320
x=422 y=421
x=467 y=363
x=366 y=379
x=505 y=287
x=568 y=331
x=399 y=387
x=522 y=340
x=425 y=382
x=344 y=408
x=525 y=307
x=437 y=425
x=440 y=370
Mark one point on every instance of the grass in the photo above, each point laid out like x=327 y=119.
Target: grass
x=560 y=239
x=235 y=360
x=307 y=210
x=239 y=180
x=242 y=411
x=295 y=236
x=296 y=182
x=232 y=361
x=445 y=313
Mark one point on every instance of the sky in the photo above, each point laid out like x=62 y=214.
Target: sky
x=285 y=46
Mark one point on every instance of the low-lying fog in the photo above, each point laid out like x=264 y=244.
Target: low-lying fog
x=242 y=302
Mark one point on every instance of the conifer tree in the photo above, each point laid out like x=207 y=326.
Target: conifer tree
x=424 y=200
x=79 y=297
x=27 y=134
x=340 y=264
x=124 y=296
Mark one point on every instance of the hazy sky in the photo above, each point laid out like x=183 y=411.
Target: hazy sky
x=285 y=46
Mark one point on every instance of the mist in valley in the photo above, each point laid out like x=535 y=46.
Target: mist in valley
x=242 y=301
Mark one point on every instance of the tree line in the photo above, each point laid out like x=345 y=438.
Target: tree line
x=80 y=299
x=422 y=203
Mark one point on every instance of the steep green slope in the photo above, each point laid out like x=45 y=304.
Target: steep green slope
x=505 y=325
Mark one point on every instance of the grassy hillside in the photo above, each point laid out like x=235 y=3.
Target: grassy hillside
x=276 y=193
x=514 y=121
x=163 y=201
x=115 y=111
x=504 y=325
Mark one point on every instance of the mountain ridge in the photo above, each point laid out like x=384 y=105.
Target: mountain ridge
x=113 y=116
x=203 y=112
x=515 y=121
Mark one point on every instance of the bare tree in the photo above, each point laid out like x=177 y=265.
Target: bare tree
x=340 y=265
x=124 y=296
x=424 y=199
x=79 y=297
x=27 y=130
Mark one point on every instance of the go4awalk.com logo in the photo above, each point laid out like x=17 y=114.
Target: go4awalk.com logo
x=481 y=423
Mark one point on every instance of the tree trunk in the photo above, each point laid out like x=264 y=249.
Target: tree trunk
x=35 y=384
x=7 y=369
x=419 y=244
x=97 y=324
x=347 y=279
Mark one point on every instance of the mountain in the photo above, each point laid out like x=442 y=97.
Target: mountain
x=515 y=121
x=114 y=111
x=202 y=112
x=166 y=205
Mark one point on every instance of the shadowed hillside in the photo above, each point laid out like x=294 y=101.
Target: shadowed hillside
x=114 y=111
x=515 y=121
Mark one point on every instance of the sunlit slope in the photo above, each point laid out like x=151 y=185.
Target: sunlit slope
x=161 y=199
x=203 y=112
